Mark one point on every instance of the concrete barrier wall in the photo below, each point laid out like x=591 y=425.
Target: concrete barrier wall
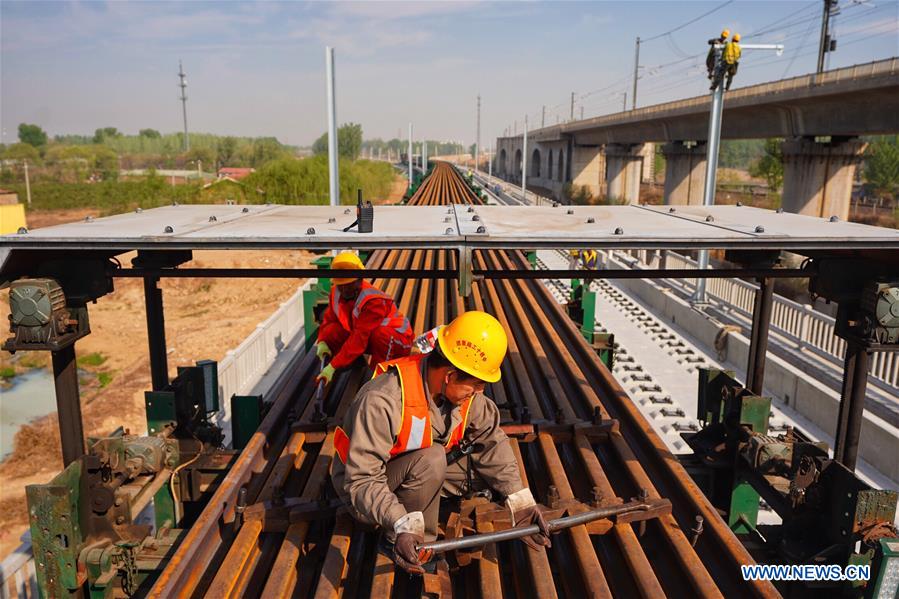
x=245 y=365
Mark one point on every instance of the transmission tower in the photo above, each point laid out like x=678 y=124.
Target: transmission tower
x=183 y=86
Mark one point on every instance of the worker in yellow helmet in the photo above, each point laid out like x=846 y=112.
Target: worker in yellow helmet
x=732 y=53
x=400 y=446
x=710 y=57
x=360 y=319
x=589 y=259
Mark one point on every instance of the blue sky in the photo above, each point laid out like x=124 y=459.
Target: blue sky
x=257 y=68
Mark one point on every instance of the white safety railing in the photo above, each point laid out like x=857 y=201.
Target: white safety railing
x=17 y=576
x=238 y=372
x=801 y=324
x=243 y=366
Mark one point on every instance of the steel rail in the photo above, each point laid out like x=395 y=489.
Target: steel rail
x=519 y=532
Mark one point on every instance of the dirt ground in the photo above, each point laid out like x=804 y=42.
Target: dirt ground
x=396 y=192
x=204 y=319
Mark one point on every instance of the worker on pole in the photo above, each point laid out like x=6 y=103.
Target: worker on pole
x=422 y=429
x=710 y=57
x=360 y=319
x=732 y=53
x=590 y=259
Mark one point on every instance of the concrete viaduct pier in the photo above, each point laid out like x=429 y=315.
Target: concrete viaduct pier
x=820 y=118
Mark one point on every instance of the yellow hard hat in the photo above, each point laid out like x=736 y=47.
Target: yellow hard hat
x=346 y=261
x=736 y=37
x=725 y=33
x=475 y=343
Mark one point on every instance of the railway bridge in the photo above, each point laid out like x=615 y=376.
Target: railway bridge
x=820 y=117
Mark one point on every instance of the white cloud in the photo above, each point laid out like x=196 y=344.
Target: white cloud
x=391 y=11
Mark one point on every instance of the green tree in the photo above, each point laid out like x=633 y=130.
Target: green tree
x=349 y=141
x=349 y=137
x=740 y=153
x=226 y=151
x=71 y=164
x=658 y=165
x=151 y=133
x=205 y=156
x=882 y=164
x=22 y=151
x=106 y=163
x=320 y=145
x=105 y=133
x=266 y=149
x=32 y=135
x=770 y=166
x=292 y=181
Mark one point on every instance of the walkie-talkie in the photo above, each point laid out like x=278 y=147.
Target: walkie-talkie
x=365 y=215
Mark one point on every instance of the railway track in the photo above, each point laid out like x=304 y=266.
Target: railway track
x=575 y=432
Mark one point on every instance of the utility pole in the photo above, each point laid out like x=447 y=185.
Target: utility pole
x=477 y=141
x=183 y=86
x=333 y=171
x=543 y=117
x=623 y=101
x=410 y=155
x=826 y=44
x=27 y=184
x=714 y=140
x=524 y=161
x=424 y=156
x=636 y=69
x=489 y=164
x=571 y=117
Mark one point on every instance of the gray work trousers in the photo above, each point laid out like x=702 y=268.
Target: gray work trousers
x=419 y=479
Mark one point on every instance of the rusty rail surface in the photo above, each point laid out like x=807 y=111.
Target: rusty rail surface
x=580 y=442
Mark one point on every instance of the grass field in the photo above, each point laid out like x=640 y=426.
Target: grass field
x=286 y=181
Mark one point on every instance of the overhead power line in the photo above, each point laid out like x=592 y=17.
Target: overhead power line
x=690 y=22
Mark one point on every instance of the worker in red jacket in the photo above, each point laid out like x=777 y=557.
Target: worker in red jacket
x=360 y=319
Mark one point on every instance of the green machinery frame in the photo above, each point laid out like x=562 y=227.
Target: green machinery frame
x=829 y=515
x=85 y=536
x=582 y=309
x=718 y=404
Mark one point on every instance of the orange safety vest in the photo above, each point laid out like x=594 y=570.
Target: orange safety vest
x=415 y=428
x=345 y=314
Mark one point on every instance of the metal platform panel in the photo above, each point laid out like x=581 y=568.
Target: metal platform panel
x=665 y=227
x=195 y=226
x=520 y=227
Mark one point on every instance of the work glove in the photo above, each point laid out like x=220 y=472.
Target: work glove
x=525 y=512
x=534 y=515
x=325 y=375
x=406 y=556
x=322 y=350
